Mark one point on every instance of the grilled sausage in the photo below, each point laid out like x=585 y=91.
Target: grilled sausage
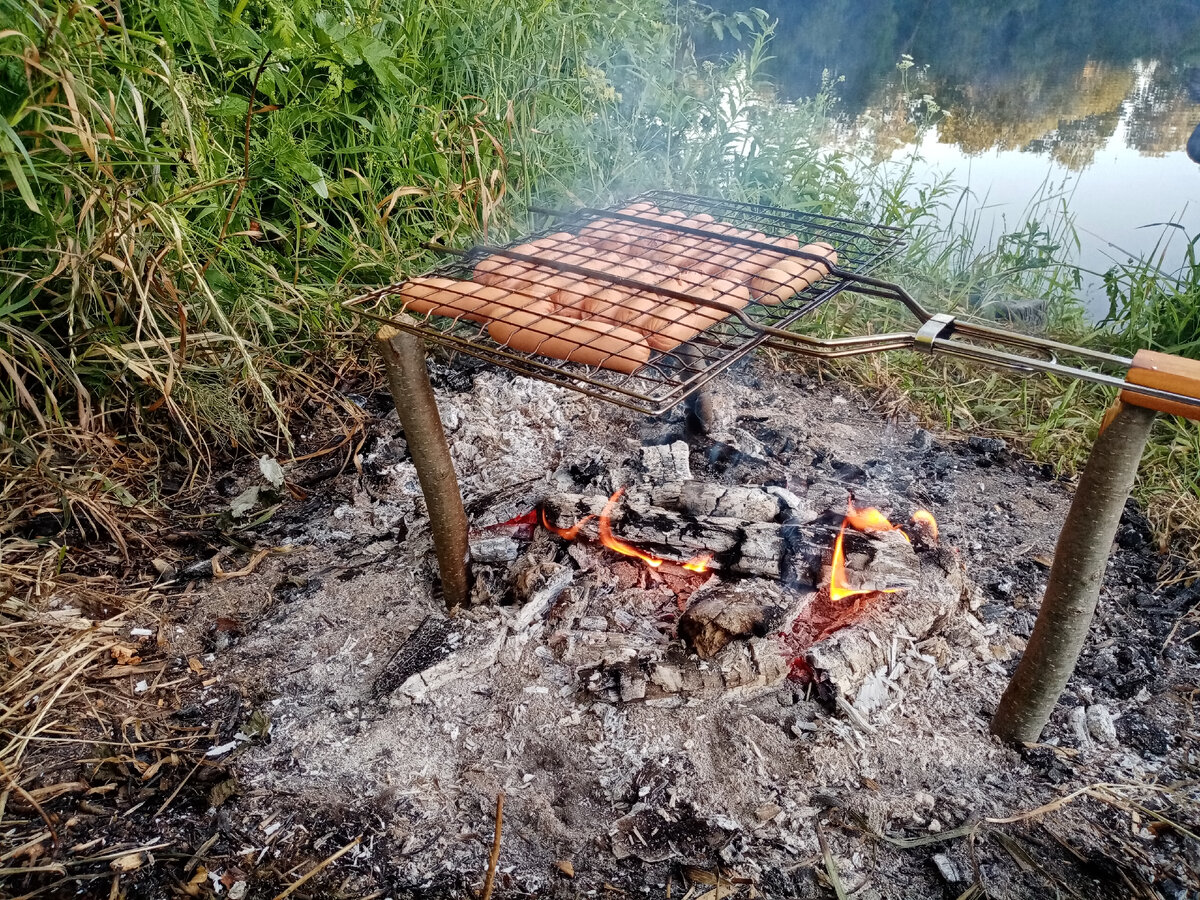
x=499 y=269
x=449 y=298
x=593 y=344
x=792 y=274
x=673 y=322
x=617 y=235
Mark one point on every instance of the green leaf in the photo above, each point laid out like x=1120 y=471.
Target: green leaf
x=229 y=108
x=193 y=20
x=13 y=150
x=311 y=172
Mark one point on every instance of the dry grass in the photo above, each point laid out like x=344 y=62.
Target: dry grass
x=71 y=700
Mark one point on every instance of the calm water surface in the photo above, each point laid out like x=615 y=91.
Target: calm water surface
x=1092 y=102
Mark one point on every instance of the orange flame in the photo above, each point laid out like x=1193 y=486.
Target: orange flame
x=567 y=534
x=699 y=562
x=868 y=519
x=612 y=542
x=838 y=589
x=924 y=518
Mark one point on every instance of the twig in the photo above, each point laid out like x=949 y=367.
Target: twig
x=194 y=860
x=178 y=788
x=291 y=888
x=241 y=182
x=495 y=857
x=30 y=800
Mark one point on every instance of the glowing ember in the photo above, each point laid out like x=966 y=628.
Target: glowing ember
x=567 y=534
x=699 y=562
x=925 y=519
x=612 y=542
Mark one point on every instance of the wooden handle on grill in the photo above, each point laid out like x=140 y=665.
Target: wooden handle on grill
x=1166 y=373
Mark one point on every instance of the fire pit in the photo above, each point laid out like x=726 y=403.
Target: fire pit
x=750 y=577
x=629 y=754
x=642 y=307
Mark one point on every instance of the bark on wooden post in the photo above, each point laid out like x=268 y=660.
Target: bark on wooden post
x=408 y=379
x=1075 y=577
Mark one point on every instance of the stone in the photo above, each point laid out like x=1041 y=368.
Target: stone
x=1101 y=724
x=948 y=869
x=767 y=812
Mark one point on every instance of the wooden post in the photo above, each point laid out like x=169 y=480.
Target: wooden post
x=1073 y=588
x=404 y=354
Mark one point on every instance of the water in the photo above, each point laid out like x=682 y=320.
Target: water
x=1090 y=103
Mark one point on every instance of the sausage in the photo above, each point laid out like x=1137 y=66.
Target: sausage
x=447 y=297
x=675 y=322
x=616 y=235
x=495 y=268
x=589 y=343
x=793 y=274
x=619 y=303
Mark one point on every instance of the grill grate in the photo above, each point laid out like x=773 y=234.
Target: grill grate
x=599 y=272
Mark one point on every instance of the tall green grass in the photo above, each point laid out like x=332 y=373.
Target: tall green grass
x=1155 y=308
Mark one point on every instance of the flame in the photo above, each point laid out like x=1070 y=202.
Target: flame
x=612 y=542
x=868 y=519
x=838 y=589
x=699 y=563
x=567 y=534
x=925 y=519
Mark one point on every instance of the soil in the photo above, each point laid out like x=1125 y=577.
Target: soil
x=773 y=795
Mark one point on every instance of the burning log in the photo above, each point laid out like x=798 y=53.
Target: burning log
x=726 y=612
x=842 y=656
x=1075 y=578
x=701 y=498
x=404 y=355
x=747 y=548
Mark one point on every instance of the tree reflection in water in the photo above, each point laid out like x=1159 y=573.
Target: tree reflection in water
x=1057 y=78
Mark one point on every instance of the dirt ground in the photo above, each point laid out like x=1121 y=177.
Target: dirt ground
x=291 y=761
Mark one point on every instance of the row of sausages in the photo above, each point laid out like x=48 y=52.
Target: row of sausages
x=577 y=317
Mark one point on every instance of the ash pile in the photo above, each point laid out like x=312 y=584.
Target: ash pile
x=634 y=714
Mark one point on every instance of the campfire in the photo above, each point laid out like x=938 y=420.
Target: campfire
x=696 y=588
